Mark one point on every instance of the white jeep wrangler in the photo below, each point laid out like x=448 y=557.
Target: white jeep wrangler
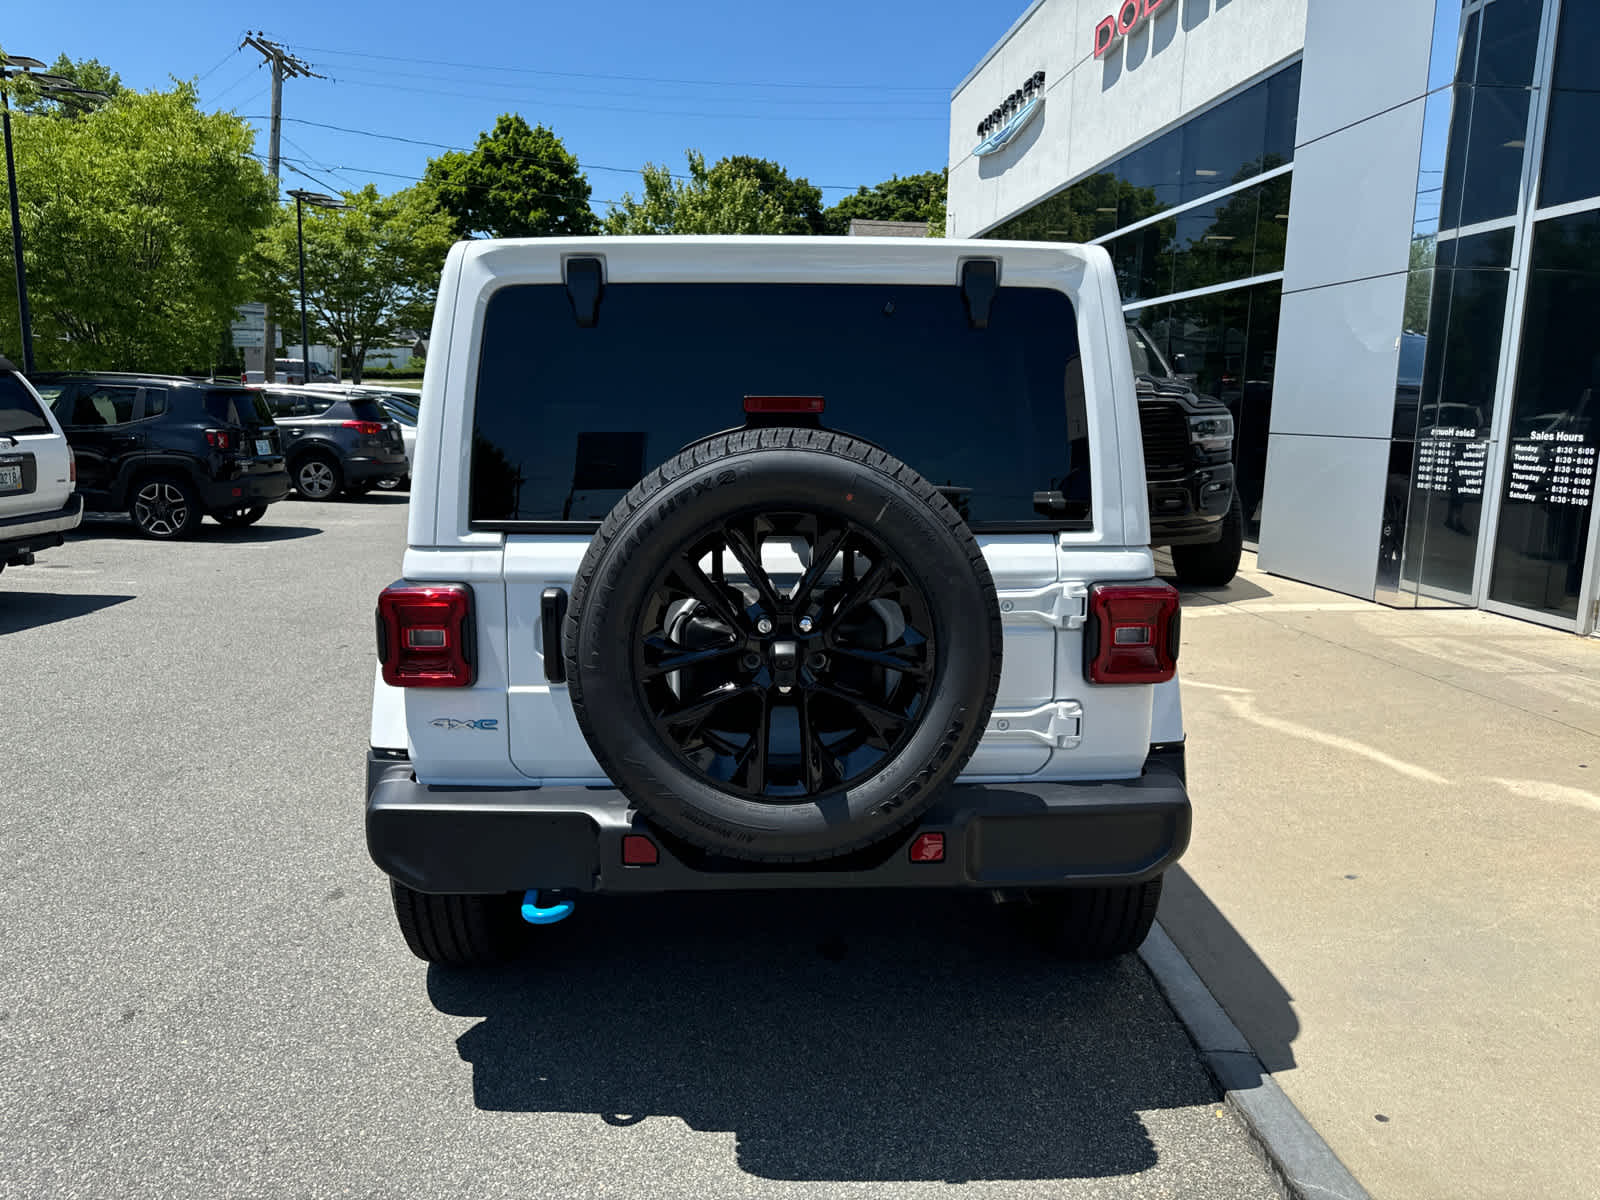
x=746 y=563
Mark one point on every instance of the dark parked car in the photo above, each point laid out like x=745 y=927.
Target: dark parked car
x=336 y=443
x=168 y=450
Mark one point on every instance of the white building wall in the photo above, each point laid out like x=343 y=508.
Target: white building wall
x=1356 y=157
x=1191 y=54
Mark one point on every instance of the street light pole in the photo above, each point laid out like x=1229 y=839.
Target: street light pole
x=316 y=200
x=17 y=66
x=24 y=317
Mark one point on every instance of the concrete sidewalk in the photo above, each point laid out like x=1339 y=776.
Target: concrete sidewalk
x=1391 y=887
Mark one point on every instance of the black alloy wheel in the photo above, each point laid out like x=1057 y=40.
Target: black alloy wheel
x=164 y=508
x=789 y=684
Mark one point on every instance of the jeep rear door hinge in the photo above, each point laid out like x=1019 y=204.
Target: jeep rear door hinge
x=1063 y=605
x=1058 y=725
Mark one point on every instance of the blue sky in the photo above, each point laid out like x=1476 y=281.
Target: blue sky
x=874 y=99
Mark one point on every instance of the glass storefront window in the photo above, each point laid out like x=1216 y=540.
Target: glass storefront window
x=1571 y=167
x=1143 y=261
x=1225 y=345
x=1494 y=153
x=1216 y=243
x=1509 y=42
x=1243 y=137
x=1241 y=235
x=1553 y=439
x=1226 y=145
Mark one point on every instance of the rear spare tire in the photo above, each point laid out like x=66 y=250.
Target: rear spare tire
x=781 y=644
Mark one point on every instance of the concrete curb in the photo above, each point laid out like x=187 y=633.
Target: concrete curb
x=1307 y=1169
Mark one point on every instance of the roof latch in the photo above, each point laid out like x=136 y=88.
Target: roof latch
x=980 y=280
x=585 y=283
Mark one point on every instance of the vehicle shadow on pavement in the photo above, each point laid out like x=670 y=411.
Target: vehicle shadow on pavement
x=840 y=1036
x=29 y=610
x=1236 y=589
x=208 y=532
x=1244 y=985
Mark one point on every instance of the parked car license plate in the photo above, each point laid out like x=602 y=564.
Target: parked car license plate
x=10 y=479
x=263 y=447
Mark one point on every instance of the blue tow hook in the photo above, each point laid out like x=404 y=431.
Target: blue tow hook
x=533 y=914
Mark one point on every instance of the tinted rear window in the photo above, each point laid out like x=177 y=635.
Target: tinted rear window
x=19 y=411
x=238 y=408
x=367 y=410
x=567 y=419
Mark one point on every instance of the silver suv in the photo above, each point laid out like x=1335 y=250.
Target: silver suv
x=39 y=503
x=776 y=563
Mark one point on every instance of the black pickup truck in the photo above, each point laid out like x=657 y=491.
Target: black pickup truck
x=1188 y=463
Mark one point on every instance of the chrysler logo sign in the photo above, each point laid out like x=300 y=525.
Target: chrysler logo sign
x=1129 y=16
x=1007 y=120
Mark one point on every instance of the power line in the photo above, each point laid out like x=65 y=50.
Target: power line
x=661 y=112
x=394 y=137
x=247 y=75
x=220 y=62
x=341 y=74
x=477 y=187
x=435 y=62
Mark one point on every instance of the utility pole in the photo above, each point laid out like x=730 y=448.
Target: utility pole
x=284 y=65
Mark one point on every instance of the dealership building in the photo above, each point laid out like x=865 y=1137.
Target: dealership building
x=1372 y=229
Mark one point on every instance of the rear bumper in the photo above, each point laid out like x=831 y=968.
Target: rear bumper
x=483 y=840
x=1190 y=510
x=24 y=534
x=371 y=468
x=247 y=490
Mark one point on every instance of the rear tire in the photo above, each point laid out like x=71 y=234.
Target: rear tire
x=318 y=477
x=1214 y=564
x=457 y=931
x=239 y=518
x=1094 y=922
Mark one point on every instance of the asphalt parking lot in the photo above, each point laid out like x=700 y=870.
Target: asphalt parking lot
x=204 y=993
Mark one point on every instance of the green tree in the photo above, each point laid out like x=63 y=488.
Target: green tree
x=518 y=181
x=911 y=198
x=801 y=203
x=371 y=268
x=720 y=199
x=87 y=73
x=136 y=220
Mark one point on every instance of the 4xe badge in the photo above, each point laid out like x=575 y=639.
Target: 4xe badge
x=488 y=724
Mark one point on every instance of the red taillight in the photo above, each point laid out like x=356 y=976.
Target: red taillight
x=72 y=466
x=425 y=636
x=368 y=428
x=783 y=404
x=639 y=851
x=1132 y=633
x=220 y=439
x=928 y=848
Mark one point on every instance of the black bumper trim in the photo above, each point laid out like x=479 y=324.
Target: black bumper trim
x=491 y=840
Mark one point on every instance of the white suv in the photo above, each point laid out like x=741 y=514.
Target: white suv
x=776 y=563
x=38 y=477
